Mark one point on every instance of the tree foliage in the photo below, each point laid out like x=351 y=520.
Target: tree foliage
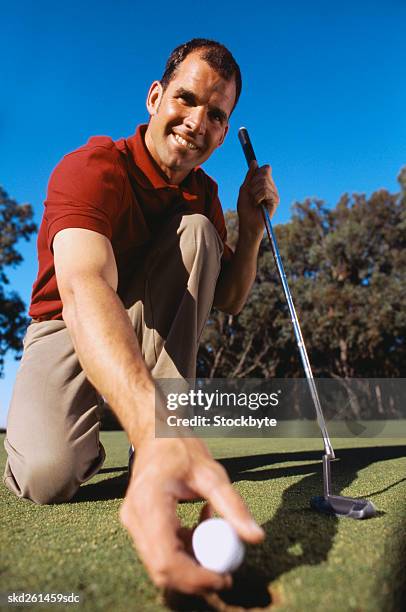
x=346 y=271
x=15 y=223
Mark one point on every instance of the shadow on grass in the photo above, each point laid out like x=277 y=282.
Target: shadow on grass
x=296 y=535
x=124 y=468
x=393 y=484
x=111 y=488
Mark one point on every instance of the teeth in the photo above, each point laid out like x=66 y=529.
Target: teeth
x=184 y=142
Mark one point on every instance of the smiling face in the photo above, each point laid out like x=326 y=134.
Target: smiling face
x=189 y=120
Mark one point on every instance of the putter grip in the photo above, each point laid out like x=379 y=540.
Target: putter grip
x=246 y=145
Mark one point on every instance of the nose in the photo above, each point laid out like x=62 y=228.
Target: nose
x=196 y=120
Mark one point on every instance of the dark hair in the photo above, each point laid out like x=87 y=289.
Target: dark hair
x=215 y=54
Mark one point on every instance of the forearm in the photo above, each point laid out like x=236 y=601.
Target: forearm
x=109 y=353
x=238 y=275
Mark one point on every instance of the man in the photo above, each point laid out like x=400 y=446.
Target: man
x=132 y=253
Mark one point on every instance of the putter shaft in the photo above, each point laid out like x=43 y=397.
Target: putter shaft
x=329 y=452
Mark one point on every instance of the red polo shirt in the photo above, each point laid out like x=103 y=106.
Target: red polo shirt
x=115 y=188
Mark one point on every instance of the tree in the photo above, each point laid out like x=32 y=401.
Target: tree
x=15 y=223
x=345 y=268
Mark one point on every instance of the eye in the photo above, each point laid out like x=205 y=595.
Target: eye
x=217 y=117
x=186 y=99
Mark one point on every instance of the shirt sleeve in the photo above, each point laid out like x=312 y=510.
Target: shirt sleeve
x=216 y=216
x=85 y=190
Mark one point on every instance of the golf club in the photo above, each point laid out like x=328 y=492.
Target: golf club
x=328 y=503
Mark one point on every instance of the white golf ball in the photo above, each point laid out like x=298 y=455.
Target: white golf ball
x=217 y=546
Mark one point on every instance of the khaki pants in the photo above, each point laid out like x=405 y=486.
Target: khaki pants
x=53 y=426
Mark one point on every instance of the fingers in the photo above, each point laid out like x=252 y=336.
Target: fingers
x=185 y=575
x=230 y=505
x=149 y=513
x=261 y=186
x=164 y=546
x=251 y=171
x=206 y=512
x=218 y=490
x=142 y=519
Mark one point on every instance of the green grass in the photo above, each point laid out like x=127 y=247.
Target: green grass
x=308 y=562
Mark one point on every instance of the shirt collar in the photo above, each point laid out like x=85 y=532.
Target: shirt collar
x=151 y=177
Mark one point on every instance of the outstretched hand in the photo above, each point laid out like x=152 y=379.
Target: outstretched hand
x=165 y=471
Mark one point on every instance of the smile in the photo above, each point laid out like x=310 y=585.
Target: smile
x=185 y=143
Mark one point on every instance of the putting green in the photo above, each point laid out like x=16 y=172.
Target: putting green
x=308 y=561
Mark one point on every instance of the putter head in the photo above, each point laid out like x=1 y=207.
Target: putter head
x=338 y=505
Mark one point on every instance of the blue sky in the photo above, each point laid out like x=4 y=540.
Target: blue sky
x=323 y=93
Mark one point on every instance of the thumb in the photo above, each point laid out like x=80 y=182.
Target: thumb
x=251 y=171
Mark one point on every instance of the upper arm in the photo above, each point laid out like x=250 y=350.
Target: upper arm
x=85 y=190
x=82 y=255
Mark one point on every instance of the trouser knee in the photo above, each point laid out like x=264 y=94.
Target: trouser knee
x=199 y=236
x=50 y=481
x=49 y=478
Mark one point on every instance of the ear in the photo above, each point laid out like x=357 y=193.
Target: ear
x=223 y=136
x=154 y=97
